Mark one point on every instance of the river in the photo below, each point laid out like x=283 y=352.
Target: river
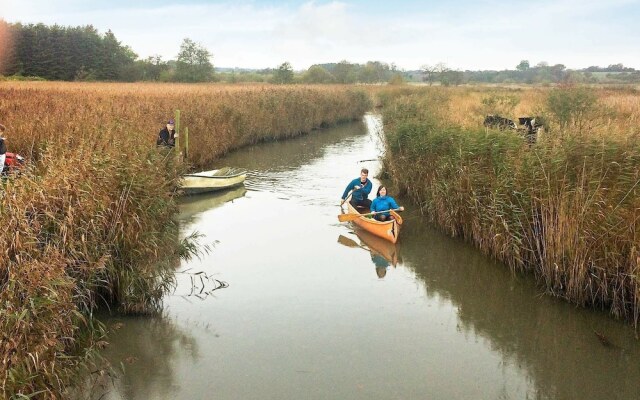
x=293 y=304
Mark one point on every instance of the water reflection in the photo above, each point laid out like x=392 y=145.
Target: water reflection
x=191 y=206
x=384 y=254
x=555 y=342
x=147 y=349
x=279 y=156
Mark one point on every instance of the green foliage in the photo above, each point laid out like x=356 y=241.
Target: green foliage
x=318 y=74
x=523 y=66
x=66 y=53
x=345 y=72
x=283 y=74
x=451 y=77
x=193 y=63
x=573 y=106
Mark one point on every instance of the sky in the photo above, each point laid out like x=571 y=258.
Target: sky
x=463 y=34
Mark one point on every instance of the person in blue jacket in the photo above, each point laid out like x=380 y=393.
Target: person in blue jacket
x=382 y=204
x=360 y=189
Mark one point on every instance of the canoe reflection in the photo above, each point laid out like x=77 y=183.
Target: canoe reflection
x=383 y=253
x=191 y=206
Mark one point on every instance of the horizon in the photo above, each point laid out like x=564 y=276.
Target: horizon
x=463 y=34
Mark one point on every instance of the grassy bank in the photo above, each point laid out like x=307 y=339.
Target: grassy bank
x=565 y=208
x=90 y=221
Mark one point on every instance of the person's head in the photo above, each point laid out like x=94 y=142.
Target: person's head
x=382 y=191
x=2 y=129
x=171 y=124
x=364 y=173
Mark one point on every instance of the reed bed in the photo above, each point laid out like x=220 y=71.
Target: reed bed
x=89 y=221
x=565 y=208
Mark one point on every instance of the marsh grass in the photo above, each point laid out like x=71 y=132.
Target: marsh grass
x=90 y=221
x=565 y=208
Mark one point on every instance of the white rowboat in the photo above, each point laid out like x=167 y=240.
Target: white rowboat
x=214 y=180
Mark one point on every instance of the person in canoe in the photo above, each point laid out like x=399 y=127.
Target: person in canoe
x=360 y=189
x=382 y=204
x=167 y=136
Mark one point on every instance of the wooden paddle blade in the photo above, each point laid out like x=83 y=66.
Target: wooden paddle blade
x=347 y=242
x=348 y=217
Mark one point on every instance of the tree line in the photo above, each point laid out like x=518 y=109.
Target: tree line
x=524 y=72
x=83 y=54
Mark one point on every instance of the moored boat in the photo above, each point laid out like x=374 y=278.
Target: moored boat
x=214 y=180
x=388 y=230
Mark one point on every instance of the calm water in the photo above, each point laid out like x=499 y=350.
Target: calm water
x=316 y=310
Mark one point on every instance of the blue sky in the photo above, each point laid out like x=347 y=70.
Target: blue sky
x=488 y=34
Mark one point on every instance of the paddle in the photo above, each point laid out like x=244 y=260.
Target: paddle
x=351 y=217
x=349 y=242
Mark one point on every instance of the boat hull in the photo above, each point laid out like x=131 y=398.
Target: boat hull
x=211 y=181
x=388 y=230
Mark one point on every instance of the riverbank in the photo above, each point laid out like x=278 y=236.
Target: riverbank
x=564 y=208
x=91 y=219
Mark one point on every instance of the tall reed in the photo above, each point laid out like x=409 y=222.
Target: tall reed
x=565 y=208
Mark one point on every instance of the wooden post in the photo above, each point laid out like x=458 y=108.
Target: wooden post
x=177 y=144
x=186 y=142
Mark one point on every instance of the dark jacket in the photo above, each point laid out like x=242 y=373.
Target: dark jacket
x=3 y=146
x=360 y=194
x=166 y=138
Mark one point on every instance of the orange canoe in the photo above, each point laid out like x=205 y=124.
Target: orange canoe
x=388 y=230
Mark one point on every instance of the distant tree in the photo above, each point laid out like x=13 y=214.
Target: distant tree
x=193 y=63
x=374 y=71
x=428 y=73
x=115 y=58
x=615 y=68
x=558 y=72
x=318 y=74
x=523 y=66
x=396 y=79
x=283 y=74
x=345 y=72
x=451 y=77
x=152 y=68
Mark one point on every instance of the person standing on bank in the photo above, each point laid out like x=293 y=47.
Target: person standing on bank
x=360 y=189
x=382 y=204
x=3 y=147
x=167 y=136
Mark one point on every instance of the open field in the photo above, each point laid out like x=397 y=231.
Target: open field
x=90 y=221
